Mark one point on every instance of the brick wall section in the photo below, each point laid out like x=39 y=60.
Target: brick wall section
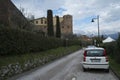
x=11 y=16
x=4 y=12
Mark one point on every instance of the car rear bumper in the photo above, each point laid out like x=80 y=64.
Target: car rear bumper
x=96 y=66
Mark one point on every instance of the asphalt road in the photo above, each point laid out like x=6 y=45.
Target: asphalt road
x=67 y=68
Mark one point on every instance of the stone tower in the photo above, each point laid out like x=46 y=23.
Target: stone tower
x=67 y=26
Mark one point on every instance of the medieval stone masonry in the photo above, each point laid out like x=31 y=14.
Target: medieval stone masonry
x=66 y=24
x=12 y=17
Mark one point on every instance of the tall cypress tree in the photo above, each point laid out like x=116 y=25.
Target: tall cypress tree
x=50 y=29
x=58 y=30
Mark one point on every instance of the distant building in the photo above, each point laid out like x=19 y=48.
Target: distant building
x=66 y=25
x=85 y=38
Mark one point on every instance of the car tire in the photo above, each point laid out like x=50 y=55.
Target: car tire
x=107 y=70
x=84 y=69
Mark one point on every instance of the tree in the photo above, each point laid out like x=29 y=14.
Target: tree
x=22 y=10
x=58 y=30
x=30 y=17
x=118 y=41
x=50 y=30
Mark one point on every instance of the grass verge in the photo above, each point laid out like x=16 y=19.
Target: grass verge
x=115 y=67
x=49 y=54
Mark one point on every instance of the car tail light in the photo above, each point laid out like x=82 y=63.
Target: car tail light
x=104 y=52
x=85 y=56
x=106 y=56
x=107 y=59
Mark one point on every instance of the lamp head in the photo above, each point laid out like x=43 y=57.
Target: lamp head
x=92 y=20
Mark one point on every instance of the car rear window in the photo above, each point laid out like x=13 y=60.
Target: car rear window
x=95 y=53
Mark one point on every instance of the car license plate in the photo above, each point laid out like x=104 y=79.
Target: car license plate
x=97 y=60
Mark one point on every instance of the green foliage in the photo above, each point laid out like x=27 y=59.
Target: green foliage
x=110 y=48
x=115 y=66
x=16 y=41
x=58 y=30
x=73 y=42
x=16 y=64
x=118 y=42
x=113 y=49
x=50 y=28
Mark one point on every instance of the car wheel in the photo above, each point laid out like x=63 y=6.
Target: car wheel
x=84 y=70
x=107 y=70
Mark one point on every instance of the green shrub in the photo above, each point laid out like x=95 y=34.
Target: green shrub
x=118 y=50
x=113 y=50
x=110 y=48
x=16 y=41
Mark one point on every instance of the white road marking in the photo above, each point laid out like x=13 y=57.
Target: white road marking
x=74 y=78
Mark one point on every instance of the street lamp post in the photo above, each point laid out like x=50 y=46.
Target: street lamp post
x=98 y=27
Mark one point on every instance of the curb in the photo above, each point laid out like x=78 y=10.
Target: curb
x=115 y=73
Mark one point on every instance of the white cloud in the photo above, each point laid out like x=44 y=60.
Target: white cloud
x=109 y=11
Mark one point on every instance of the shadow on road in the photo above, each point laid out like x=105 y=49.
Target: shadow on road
x=96 y=71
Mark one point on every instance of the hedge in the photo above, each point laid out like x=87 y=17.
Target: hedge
x=113 y=50
x=16 y=41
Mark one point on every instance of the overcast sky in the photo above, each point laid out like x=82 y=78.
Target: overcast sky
x=81 y=10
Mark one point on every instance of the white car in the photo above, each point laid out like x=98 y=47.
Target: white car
x=95 y=58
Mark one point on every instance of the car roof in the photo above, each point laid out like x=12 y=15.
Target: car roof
x=95 y=48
